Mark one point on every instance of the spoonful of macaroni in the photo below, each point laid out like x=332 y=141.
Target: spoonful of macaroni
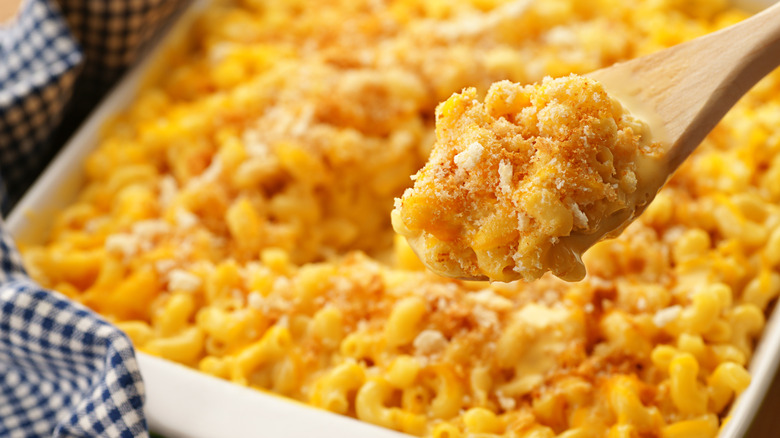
x=525 y=181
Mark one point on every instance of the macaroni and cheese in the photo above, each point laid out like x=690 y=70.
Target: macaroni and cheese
x=526 y=181
x=236 y=219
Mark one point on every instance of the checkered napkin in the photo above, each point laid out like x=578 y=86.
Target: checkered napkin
x=39 y=60
x=57 y=59
x=64 y=371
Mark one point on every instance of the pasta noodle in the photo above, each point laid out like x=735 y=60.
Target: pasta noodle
x=236 y=218
x=525 y=182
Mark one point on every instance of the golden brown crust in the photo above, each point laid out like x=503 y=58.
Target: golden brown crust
x=511 y=177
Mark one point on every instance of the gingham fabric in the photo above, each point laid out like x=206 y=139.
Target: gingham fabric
x=64 y=370
x=113 y=34
x=56 y=61
x=39 y=60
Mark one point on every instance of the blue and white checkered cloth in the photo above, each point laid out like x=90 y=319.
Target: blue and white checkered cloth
x=39 y=61
x=57 y=59
x=64 y=370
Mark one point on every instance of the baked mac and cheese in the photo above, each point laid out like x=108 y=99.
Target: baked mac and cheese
x=527 y=180
x=236 y=219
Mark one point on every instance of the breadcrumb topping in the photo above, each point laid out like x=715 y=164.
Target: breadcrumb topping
x=514 y=180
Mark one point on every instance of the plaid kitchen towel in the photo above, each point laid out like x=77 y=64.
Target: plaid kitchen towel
x=39 y=61
x=57 y=59
x=64 y=370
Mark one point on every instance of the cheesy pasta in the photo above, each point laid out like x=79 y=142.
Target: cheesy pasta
x=236 y=219
x=525 y=182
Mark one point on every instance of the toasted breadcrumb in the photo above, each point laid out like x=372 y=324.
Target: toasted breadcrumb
x=512 y=180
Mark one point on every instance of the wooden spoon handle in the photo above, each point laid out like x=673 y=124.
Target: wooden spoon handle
x=683 y=91
x=721 y=68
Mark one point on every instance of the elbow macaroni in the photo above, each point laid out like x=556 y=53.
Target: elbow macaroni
x=236 y=219
x=525 y=182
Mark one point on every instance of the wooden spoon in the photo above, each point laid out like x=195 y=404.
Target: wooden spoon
x=683 y=91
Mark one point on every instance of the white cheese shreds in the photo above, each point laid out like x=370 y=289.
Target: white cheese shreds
x=469 y=158
x=179 y=279
x=430 y=342
x=123 y=244
x=485 y=318
x=168 y=190
x=255 y=300
x=580 y=219
x=506 y=403
x=164 y=266
x=667 y=315
x=490 y=300
x=505 y=177
x=186 y=219
x=151 y=229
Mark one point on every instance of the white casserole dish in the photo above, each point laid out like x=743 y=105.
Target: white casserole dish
x=184 y=402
